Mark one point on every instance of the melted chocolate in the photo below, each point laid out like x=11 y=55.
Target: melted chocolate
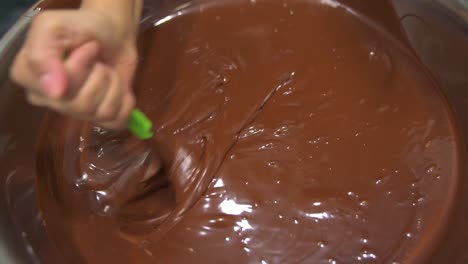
x=286 y=132
x=297 y=132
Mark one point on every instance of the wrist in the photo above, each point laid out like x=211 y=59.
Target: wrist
x=124 y=14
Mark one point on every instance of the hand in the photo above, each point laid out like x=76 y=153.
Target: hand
x=80 y=63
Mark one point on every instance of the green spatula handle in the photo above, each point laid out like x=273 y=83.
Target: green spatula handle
x=140 y=125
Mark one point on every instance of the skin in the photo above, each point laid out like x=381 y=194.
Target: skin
x=82 y=62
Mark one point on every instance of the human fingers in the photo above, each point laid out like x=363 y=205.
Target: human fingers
x=109 y=108
x=85 y=104
x=79 y=65
x=121 y=120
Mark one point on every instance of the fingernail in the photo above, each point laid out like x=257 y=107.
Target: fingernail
x=48 y=86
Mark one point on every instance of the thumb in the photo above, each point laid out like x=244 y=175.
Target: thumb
x=53 y=82
x=47 y=42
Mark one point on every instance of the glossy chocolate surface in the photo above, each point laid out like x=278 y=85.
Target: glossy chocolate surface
x=295 y=132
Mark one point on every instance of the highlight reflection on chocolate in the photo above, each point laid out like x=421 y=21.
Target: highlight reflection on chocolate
x=287 y=132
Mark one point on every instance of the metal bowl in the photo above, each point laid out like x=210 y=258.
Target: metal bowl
x=437 y=31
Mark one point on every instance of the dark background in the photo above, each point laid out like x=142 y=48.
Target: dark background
x=10 y=10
